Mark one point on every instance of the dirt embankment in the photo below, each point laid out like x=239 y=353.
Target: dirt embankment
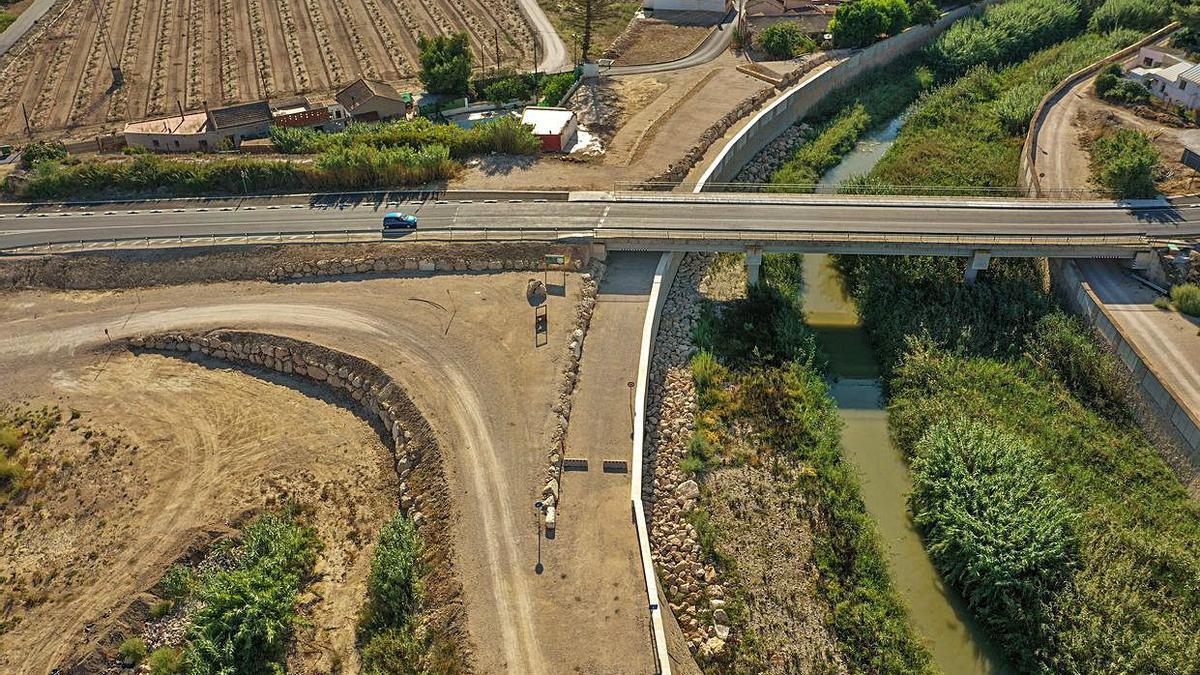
x=170 y=267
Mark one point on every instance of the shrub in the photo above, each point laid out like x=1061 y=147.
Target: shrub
x=179 y=582
x=1112 y=85
x=554 y=87
x=393 y=652
x=394 y=584
x=924 y=12
x=1134 y=14
x=165 y=661
x=1187 y=298
x=784 y=39
x=10 y=440
x=161 y=608
x=1125 y=163
x=1003 y=34
x=1063 y=347
x=244 y=615
x=42 y=151
x=994 y=526
x=508 y=89
x=132 y=651
x=11 y=474
x=861 y=22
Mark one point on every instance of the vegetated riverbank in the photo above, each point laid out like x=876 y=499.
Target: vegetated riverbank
x=968 y=131
x=991 y=380
x=779 y=513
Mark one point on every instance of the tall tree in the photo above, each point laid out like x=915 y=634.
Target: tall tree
x=584 y=16
x=445 y=63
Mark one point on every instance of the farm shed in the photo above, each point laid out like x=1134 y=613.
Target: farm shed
x=556 y=127
x=372 y=101
x=202 y=131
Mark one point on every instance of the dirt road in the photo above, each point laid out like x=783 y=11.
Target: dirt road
x=471 y=368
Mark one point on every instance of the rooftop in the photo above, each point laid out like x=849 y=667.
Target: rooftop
x=188 y=124
x=362 y=90
x=547 y=121
x=240 y=115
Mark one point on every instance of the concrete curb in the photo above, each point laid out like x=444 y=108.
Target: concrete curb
x=664 y=275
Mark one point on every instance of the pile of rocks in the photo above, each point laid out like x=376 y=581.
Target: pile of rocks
x=696 y=598
x=342 y=266
x=590 y=282
x=769 y=159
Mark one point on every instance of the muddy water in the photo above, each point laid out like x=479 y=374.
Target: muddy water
x=957 y=644
x=866 y=153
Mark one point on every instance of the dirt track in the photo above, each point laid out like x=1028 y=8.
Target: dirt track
x=188 y=52
x=472 y=369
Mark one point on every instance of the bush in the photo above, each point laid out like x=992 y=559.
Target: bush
x=403 y=652
x=1187 y=298
x=924 y=12
x=1067 y=350
x=1111 y=85
x=165 y=661
x=861 y=22
x=11 y=474
x=784 y=39
x=1003 y=34
x=161 y=608
x=1133 y=14
x=244 y=615
x=1125 y=163
x=10 y=440
x=508 y=89
x=554 y=87
x=42 y=151
x=994 y=526
x=394 y=585
x=132 y=651
x=505 y=135
x=179 y=582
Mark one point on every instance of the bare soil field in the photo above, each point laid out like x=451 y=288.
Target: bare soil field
x=189 y=448
x=191 y=52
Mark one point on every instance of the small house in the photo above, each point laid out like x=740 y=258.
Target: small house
x=556 y=127
x=1168 y=74
x=373 y=101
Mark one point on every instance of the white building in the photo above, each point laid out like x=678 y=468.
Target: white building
x=1168 y=75
x=721 y=6
x=556 y=127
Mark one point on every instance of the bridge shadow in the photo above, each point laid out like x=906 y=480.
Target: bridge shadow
x=1158 y=215
x=376 y=200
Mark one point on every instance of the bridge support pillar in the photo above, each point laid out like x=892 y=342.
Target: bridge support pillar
x=979 y=261
x=1142 y=260
x=754 y=255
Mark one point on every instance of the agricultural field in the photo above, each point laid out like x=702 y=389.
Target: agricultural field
x=191 y=52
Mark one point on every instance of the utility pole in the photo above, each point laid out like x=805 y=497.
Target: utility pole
x=117 y=77
x=25 y=112
x=535 y=54
x=497 y=36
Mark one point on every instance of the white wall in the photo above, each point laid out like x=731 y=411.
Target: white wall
x=687 y=5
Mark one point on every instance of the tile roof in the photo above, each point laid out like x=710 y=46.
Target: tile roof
x=362 y=90
x=240 y=115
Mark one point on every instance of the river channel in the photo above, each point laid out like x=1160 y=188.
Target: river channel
x=958 y=645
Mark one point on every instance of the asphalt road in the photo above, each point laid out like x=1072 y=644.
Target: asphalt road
x=25 y=21
x=712 y=47
x=553 y=54
x=677 y=217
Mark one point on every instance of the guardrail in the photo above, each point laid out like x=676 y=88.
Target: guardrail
x=465 y=235
x=1014 y=192
x=740 y=237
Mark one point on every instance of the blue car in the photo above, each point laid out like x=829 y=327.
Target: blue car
x=399 y=221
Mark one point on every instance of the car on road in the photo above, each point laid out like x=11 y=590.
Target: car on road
x=399 y=221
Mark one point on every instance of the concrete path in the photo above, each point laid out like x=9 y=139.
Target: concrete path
x=25 y=21
x=713 y=46
x=1169 y=338
x=551 y=48
x=596 y=534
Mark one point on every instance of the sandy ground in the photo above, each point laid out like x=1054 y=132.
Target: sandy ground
x=1079 y=116
x=226 y=51
x=472 y=369
x=660 y=41
x=648 y=121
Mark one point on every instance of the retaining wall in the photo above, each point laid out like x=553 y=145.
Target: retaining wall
x=1029 y=178
x=1168 y=414
x=794 y=105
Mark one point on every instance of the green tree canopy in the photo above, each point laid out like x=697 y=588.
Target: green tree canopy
x=1125 y=162
x=859 y=23
x=445 y=63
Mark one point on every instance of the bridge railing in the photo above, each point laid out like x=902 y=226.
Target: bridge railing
x=1013 y=192
x=743 y=236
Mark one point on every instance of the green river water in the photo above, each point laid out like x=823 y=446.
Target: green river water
x=939 y=615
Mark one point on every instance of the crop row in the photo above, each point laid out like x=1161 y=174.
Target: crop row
x=117 y=109
x=162 y=56
x=291 y=33
x=195 y=53
x=365 y=62
x=390 y=42
x=91 y=66
x=229 y=60
x=321 y=28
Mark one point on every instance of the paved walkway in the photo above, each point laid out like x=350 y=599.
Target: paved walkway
x=25 y=21
x=1170 y=338
x=595 y=526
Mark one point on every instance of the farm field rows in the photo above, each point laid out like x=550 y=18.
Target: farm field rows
x=191 y=52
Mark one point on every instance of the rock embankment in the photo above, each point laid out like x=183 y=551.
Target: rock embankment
x=696 y=598
x=423 y=495
x=776 y=154
x=589 y=283
x=332 y=267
